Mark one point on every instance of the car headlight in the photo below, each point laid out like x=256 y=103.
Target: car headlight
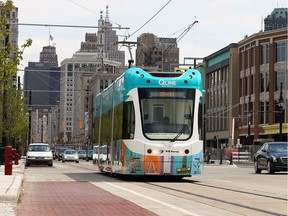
x=274 y=159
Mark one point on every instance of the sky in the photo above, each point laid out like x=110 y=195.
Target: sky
x=220 y=22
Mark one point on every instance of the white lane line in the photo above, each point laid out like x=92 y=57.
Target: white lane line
x=155 y=200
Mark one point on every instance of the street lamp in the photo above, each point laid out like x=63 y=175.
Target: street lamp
x=249 y=120
x=281 y=110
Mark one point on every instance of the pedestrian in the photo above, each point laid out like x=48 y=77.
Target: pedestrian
x=208 y=156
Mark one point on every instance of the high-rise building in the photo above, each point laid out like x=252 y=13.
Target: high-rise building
x=153 y=51
x=42 y=79
x=98 y=54
x=277 y=19
x=48 y=55
x=90 y=43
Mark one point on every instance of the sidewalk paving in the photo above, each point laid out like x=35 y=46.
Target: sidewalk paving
x=10 y=188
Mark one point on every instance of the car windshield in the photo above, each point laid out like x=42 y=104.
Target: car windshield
x=81 y=152
x=282 y=147
x=43 y=148
x=70 y=152
x=62 y=150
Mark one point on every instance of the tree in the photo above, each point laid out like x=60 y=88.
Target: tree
x=13 y=118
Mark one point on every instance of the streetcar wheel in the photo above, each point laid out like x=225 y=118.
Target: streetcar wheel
x=256 y=169
x=270 y=167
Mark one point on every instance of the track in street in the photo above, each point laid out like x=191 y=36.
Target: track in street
x=186 y=196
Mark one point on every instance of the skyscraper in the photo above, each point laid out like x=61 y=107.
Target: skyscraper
x=42 y=79
x=277 y=19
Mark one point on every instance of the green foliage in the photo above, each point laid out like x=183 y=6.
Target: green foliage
x=13 y=113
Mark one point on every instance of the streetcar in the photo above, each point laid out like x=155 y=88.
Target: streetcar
x=149 y=123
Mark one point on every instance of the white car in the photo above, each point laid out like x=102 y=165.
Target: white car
x=70 y=155
x=39 y=153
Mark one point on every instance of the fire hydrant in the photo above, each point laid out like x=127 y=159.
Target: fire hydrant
x=16 y=158
x=8 y=160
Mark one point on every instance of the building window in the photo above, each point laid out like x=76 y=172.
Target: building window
x=280 y=50
x=264 y=55
x=242 y=60
x=279 y=77
x=252 y=84
x=241 y=87
x=253 y=57
x=247 y=53
x=264 y=83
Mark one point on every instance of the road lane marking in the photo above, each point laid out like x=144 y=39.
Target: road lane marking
x=154 y=200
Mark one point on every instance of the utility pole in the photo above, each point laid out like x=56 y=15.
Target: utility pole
x=249 y=123
x=30 y=113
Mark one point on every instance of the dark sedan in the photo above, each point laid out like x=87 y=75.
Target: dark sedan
x=272 y=156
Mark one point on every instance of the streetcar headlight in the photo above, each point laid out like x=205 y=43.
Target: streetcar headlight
x=149 y=151
x=186 y=151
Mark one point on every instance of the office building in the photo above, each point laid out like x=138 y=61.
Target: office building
x=276 y=20
x=263 y=79
x=153 y=51
x=221 y=97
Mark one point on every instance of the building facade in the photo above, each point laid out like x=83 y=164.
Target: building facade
x=42 y=79
x=98 y=53
x=221 y=98
x=42 y=92
x=263 y=78
x=276 y=20
x=153 y=51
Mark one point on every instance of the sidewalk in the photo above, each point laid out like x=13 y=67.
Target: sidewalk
x=10 y=188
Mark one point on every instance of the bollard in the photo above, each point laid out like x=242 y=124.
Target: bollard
x=8 y=160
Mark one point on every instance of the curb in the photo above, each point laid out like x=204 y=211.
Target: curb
x=11 y=185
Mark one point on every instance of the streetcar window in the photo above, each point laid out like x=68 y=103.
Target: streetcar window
x=167 y=113
x=128 y=120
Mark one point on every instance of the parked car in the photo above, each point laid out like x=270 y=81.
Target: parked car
x=89 y=155
x=82 y=154
x=70 y=155
x=39 y=153
x=60 y=153
x=272 y=156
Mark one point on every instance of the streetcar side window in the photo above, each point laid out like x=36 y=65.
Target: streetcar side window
x=128 y=120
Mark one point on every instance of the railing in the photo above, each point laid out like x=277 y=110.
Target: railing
x=241 y=156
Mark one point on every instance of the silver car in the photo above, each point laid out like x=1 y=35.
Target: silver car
x=70 y=155
x=82 y=154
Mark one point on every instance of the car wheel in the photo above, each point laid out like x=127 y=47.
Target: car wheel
x=63 y=161
x=77 y=161
x=27 y=164
x=256 y=169
x=270 y=167
x=50 y=164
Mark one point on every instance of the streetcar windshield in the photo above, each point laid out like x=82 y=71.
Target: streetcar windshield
x=167 y=114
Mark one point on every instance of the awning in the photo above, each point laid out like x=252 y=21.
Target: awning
x=275 y=129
